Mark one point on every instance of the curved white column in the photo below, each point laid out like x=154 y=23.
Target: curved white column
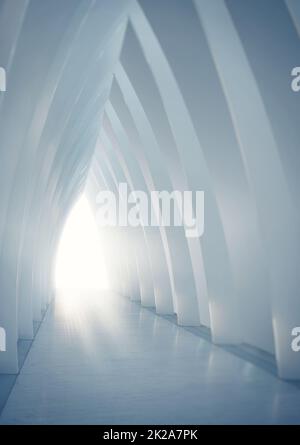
x=271 y=189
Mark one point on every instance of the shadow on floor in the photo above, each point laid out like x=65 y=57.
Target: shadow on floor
x=7 y=381
x=251 y=354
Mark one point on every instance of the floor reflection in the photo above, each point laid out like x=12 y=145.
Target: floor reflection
x=99 y=358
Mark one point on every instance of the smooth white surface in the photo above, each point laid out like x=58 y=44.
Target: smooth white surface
x=103 y=359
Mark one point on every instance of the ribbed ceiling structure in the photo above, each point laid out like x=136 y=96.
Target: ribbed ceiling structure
x=161 y=95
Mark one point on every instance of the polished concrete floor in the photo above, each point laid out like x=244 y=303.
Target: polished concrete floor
x=105 y=360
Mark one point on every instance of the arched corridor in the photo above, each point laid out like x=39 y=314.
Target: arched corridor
x=178 y=121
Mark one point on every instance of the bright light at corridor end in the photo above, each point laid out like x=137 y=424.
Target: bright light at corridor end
x=80 y=264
